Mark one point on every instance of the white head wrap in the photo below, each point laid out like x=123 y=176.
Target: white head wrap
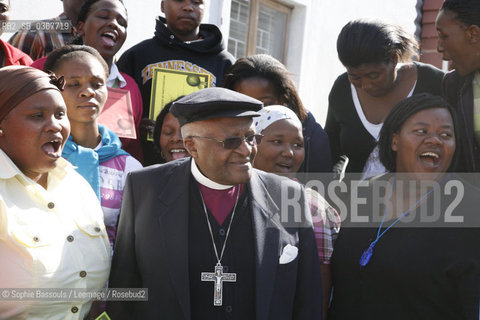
x=274 y=113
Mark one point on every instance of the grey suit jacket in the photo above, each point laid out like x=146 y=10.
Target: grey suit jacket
x=151 y=249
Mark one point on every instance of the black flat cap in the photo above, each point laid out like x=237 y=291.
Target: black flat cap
x=213 y=103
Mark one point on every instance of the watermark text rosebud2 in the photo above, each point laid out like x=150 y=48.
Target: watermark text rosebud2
x=362 y=203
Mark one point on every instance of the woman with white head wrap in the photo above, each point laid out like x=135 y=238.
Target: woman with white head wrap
x=282 y=152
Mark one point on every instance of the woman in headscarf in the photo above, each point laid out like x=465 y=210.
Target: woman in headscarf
x=282 y=152
x=265 y=78
x=52 y=233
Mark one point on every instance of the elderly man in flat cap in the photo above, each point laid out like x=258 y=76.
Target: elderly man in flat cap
x=211 y=237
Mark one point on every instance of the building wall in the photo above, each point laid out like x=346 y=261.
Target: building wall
x=311 y=53
x=429 y=34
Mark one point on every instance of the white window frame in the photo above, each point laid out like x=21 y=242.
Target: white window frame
x=251 y=43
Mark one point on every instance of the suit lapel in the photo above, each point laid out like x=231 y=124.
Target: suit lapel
x=174 y=203
x=266 y=236
x=174 y=208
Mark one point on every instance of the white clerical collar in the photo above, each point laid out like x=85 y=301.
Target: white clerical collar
x=204 y=180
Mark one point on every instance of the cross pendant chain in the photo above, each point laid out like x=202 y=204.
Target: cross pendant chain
x=218 y=277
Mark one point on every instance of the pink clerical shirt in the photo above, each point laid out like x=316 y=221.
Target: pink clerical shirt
x=220 y=202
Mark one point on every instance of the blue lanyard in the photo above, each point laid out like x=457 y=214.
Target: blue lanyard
x=367 y=254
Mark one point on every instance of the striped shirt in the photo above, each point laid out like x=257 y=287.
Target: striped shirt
x=326 y=224
x=39 y=43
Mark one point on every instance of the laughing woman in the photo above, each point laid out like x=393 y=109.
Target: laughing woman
x=410 y=261
x=51 y=225
x=167 y=136
x=94 y=149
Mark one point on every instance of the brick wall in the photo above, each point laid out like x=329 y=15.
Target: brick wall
x=428 y=41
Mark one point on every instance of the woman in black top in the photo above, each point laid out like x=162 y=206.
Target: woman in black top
x=380 y=72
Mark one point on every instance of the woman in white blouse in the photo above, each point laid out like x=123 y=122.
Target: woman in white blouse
x=51 y=224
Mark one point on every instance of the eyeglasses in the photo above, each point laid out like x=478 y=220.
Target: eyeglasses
x=235 y=142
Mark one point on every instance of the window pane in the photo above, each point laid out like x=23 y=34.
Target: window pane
x=271 y=31
x=239 y=19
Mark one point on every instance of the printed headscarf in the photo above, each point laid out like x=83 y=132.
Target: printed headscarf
x=18 y=83
x=274 y=113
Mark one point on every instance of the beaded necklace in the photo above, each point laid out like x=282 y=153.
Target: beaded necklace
x=367 y=254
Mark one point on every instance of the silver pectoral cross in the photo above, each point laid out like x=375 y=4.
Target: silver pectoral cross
x=218 y=277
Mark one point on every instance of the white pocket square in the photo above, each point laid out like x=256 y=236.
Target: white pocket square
x=289 y=253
